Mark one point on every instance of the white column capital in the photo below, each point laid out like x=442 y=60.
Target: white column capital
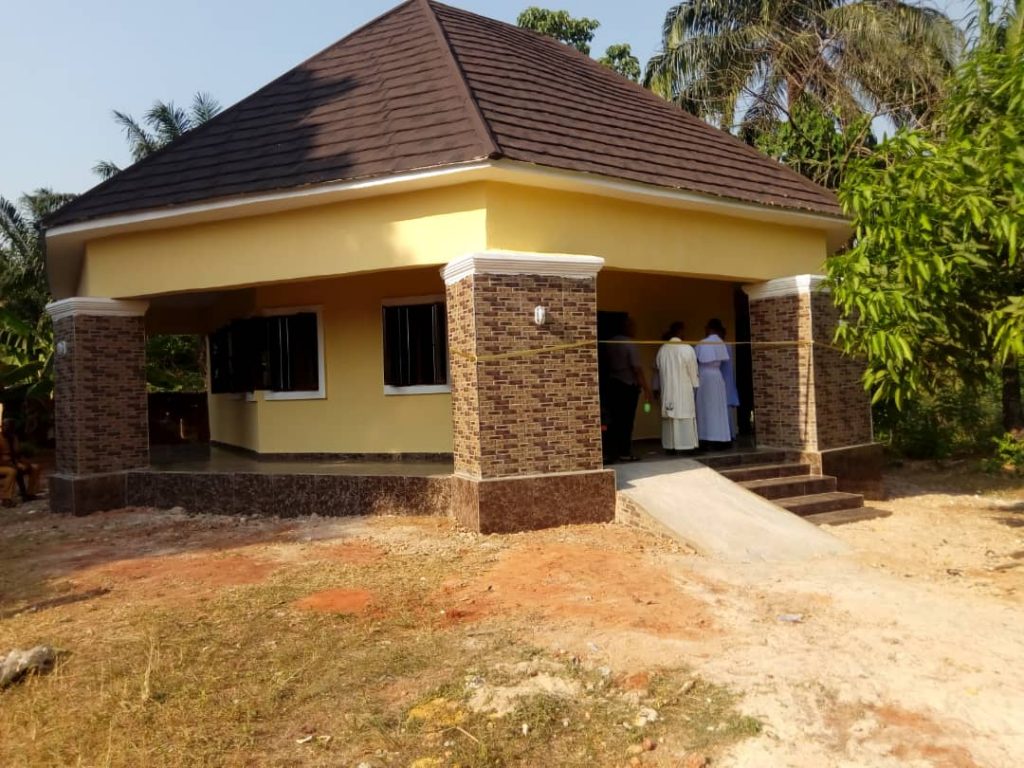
x=89 y=305
x=784 y=286
x=521 y=263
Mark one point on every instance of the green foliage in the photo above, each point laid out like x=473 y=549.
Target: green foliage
x=933 y=285
x=162 y=124
x=26 y=358
x=26 y=334
x=814 y=143
x=619 y=57
x=175 y=363
x=737 y=62
x=23 y=287
x=954 y=421
x=1008 y=455
x=578 y=33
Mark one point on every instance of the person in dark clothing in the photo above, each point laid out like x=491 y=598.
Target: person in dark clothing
x=625 y=382
x=26 y=473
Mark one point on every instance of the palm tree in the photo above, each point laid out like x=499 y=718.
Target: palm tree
x=162 y=124
x=743 y=63
x=26 y=335
x=23 y=286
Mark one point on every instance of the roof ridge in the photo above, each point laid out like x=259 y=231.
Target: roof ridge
x=480 y=124
x=638 y=88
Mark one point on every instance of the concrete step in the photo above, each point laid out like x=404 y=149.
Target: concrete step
x=734 y=459
x=784 y=487
x=814 y=503
x=844 y=516
x=763 y=471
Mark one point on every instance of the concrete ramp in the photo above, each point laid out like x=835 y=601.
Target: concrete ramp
x=718 y=518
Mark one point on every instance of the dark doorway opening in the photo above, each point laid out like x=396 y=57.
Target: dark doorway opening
x=743 y=363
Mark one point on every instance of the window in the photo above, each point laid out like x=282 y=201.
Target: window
x=415 y=346
x=281 y=353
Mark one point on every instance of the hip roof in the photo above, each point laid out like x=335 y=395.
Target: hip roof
x=427 y=86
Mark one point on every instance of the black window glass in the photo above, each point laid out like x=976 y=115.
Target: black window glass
x=415 y=345
x=279 y=353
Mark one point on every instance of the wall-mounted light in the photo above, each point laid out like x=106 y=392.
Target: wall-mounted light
x=62 y=348
x=540 y=315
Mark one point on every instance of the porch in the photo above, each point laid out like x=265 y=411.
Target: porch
x=490 y=406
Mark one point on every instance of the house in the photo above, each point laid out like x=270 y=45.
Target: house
x=366 y=242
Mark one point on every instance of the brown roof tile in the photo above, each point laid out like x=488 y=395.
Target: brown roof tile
x=426 y=85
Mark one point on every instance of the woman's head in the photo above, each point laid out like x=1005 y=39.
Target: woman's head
x=714 y=325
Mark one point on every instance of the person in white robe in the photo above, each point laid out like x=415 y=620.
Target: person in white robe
x=676 y=366
x=712 y=400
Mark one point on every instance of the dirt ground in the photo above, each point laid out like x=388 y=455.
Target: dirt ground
x=371 y=642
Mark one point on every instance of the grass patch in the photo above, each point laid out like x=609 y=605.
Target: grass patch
x=243 y=678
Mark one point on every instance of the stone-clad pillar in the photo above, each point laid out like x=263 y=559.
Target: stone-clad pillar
x=808 y=396
x=525 y=409
x=100 y=398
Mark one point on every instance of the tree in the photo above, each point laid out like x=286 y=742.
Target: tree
x=814 y=143
x=162 y=124
x=578 y=33
x=619 y=57
x=26 y=334
x=934 y=283
x=24 y=291
x=736 y=62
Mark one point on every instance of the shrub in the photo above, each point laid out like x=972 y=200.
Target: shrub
x=1009 y=454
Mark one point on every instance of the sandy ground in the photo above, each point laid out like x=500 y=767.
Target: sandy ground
x=908 y=652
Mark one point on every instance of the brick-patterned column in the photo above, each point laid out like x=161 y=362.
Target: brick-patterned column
x=100 y=398
x=526 y=425
x=808 y=396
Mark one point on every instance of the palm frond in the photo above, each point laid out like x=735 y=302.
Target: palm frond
x=106 y=169
x=16 y=233
x=140 y=141
x=167 y=121
x=43 y=201
x=204 y=107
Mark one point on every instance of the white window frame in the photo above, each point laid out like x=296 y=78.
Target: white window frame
x=415 y=389
x=321 y=392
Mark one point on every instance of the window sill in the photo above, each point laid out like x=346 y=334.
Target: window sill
x=305 y=395
x=420 y=389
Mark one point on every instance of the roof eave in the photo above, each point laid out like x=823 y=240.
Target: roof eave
x=65 y=244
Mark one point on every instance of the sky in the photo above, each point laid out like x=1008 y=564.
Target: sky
x=68 y=63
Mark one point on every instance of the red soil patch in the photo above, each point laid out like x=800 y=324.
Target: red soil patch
x=349 y=601
x=915 y=736
x=354 y=553
x=185 y=573
x=603 y=588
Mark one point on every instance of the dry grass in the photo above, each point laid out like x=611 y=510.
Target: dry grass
x=238 y=676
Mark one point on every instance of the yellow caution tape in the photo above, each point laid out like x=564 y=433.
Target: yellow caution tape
x=578 y=344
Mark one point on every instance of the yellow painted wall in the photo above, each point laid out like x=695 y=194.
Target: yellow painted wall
x=431 y=228
x=655 y=302
x=356 y=416
x=235 y=421
x=416 y=228
x=332 y=255
x=641 y=237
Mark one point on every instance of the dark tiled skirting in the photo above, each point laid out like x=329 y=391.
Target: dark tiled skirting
x=506 y=505
x=857 y=469
x=82 y=494
x=289 y=495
